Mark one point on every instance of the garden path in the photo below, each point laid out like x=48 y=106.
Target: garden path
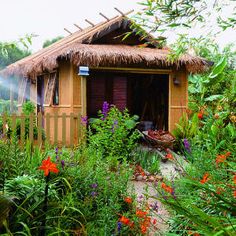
x=168 y=170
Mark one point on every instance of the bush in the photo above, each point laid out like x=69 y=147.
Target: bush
x=113 y=134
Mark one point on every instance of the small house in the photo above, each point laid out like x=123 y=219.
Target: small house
x=132 y=73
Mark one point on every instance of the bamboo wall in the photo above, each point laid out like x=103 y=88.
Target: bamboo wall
x=73 y=100
x=178 y=97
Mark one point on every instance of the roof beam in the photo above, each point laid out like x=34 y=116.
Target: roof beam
x=91 y=23
x=77 y=26
x=67 y=31
x=101 y=14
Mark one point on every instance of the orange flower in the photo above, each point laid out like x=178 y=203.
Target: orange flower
x=124 y=220
x=128 y=200
x=167 y=188
x=169 y=156
x=222 y=157
x=48 y=166
x=235 y=194
x=234 y=179
x=143 y=229
x=205 y=178
x=200 y=115
x=140 y=213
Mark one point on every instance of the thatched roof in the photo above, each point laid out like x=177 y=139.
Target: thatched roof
x=78 y=49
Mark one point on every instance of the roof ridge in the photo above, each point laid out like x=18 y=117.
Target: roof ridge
x=67 y=39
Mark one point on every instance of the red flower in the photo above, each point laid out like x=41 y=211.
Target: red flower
x=222 y=158
x=48 y=166
x=169 y=156
x=234 y=179
x=154 y=221
x=205 y=178
x=140 y=213
x=167 y=188
x=128 y=200
x=126 y=221
x=235 y=194
x=200 y=115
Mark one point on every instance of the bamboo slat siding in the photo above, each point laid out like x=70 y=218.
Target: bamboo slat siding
x=55 y=129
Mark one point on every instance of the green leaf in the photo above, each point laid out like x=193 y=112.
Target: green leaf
x=214 y=97
x=218 y=69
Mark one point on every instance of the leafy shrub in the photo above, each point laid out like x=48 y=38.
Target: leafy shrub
x=113 y=133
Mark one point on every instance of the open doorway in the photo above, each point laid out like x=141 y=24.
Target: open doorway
x=145 y=95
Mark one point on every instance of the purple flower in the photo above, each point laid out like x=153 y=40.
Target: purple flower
x=105 y=109
x=63 y=164
x=94 y=194
x=119 y=226
x=56 y=150
x=84 y=120
x=140 y=198
x=187 y=145
x=154 y=206
x=115 y=124
x=94 y=185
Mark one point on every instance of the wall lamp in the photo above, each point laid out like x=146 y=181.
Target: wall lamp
x=176 y=81
x=83 y=71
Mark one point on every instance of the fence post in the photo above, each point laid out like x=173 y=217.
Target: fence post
x=22 y=131
x=79 y=131
x=13 y=118
x=4 y=119
x=56 y=128
x=31 y=128
x=63 y=129
x=48 y=127
x=71 y=129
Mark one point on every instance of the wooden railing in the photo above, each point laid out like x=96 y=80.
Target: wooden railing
x=55 y=129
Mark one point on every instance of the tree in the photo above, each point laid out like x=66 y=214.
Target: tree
x=49 y=42
x=160 y=17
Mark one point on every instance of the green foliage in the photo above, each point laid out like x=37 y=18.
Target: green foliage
x=114 y=136
x=49 y=42
x=28 y=108
x=11 y=53
x=5 y=106
x=204 y=197
x=149 y=160
x=86 y=197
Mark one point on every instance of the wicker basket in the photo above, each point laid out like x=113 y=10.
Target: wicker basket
x=166 y=139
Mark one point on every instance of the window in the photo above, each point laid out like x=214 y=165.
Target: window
x=50 y=91
x=22 y=90
x=27 y=91
x=56 y=91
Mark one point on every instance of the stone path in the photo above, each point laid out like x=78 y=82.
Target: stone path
x=141 y=188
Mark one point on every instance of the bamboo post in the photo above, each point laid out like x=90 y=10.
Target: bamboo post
x=22 y=130
x=4 y=119
x=48 y=127
x=71 y=129
x=40 y=122
x=31 y=127
x=63 y=129
x=13 y=122
x=56 y=128
x=79 y=131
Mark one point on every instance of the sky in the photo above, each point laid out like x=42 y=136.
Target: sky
x=48 y=18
